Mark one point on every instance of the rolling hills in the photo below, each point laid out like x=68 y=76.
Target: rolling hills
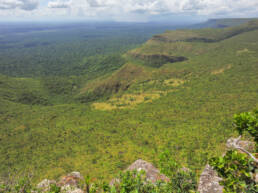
x=177 y=91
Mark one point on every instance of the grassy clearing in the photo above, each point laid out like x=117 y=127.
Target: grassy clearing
x=221 y=70
x=174 y=82
x=127 y=101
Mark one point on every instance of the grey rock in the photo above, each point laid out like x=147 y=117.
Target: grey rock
x=152 y=173
x=70 y=189
x=76 y=175
x=209 y=181
x=247 y=145
x=44 y=185
x=71 y=179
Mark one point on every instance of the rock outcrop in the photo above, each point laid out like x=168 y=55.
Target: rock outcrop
x=68 y=183
x=70 y=189
x=247 y=145
x=209 y=181
x=45 y=185
x=71 y=179
x=152 y=173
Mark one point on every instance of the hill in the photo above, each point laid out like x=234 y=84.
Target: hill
x=177 y=91
x=222 y=23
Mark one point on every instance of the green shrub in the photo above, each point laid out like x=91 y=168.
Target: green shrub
x=235 y=168
x=181 y=180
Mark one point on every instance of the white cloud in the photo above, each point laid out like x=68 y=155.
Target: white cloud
x=27 y=5
x=59 y=4
x=135 y=9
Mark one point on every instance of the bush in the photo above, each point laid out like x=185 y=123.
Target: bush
x=181 y=180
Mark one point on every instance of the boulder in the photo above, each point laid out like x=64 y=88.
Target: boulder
x=70 y=189
x=44 y=185
x=209 y=181
x=71 y=179
x=247 y=145
x=152 y=173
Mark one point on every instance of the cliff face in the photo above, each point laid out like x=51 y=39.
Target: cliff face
x=158 y=60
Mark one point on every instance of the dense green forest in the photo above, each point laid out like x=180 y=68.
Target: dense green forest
x=95 y=102
x=69 y=49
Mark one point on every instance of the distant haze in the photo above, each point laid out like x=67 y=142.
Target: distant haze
x=173 y=11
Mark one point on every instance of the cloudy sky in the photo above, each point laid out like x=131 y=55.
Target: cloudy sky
x=126 y=10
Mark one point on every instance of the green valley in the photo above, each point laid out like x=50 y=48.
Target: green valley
x=97 y=111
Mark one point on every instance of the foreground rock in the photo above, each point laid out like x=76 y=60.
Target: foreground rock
x=44 y=185
x=70 y=189
x=71 y=179
x=68 y=183
x=247 y=145
x=152 y=173
x=209 y=181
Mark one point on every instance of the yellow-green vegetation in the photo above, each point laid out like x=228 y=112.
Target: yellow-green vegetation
x=133 y=99
x=188 y=108
x=126 y=101
x=174 y=82
x=221 y=70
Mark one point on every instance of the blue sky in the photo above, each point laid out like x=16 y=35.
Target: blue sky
x=126 y=10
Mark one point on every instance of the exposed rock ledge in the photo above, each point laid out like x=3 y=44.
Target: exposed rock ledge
x=209 y=179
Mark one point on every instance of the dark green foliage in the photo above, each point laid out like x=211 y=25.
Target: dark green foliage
x=247 y=122
x=32 y=98
x=131 y=181
x=61 y=85
x=236 y=169
x=72 y=49
x=54 y=188
x=182 y=180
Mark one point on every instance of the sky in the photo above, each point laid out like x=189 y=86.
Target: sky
x=126 y=10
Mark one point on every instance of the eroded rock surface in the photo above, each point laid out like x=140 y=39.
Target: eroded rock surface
x=247 y=145
x=71 y=179
x=70 y=189
x=152 y=173
x=209 y=181
x=45 y=185
x=68 y=184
